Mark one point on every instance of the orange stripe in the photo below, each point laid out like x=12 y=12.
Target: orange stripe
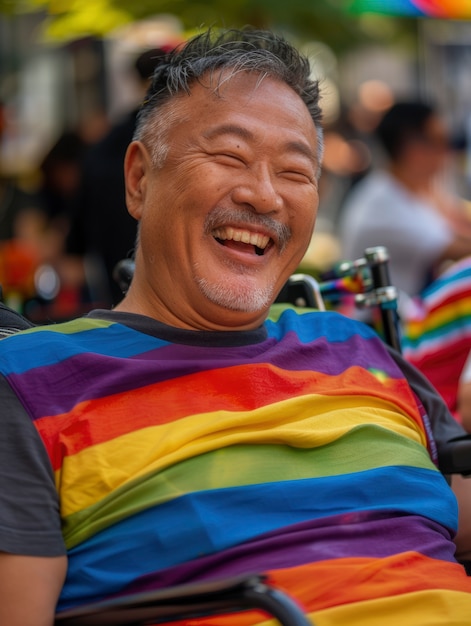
x=320 y=586
x=343 y=581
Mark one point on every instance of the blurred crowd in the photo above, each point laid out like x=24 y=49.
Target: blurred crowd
x=64 y=230
x=393 y=176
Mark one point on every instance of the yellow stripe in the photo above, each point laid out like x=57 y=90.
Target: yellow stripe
x=442 y=316
x=421 y=608
x=305 y=422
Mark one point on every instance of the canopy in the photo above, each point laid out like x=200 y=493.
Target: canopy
x=442 y=9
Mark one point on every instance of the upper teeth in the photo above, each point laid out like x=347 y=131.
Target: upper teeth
x=237 y=234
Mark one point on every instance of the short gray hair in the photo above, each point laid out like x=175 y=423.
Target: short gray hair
x=237 y=50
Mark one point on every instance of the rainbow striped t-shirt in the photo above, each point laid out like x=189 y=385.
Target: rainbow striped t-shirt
x=297 y=449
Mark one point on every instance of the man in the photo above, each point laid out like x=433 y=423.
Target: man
x=401 y=205
x=184 y=436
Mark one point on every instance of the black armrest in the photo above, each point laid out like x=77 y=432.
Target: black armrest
x=189 y=601
x=11 y=321
x=455 y=456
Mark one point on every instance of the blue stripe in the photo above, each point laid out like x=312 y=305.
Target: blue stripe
x=206 y=522
x=43 y=347
x=332 y=326
x=455 y=282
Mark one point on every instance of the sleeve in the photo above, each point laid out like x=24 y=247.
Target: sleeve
x=30 y=521
x=443 y=425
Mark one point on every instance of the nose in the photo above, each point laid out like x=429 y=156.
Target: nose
x=258 y=189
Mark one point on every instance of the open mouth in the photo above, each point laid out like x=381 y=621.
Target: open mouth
x=243 y=240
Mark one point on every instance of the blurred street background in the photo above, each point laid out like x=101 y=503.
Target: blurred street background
x=66 y=70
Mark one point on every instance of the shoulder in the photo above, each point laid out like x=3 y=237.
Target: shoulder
x=378 y=191
x=377 y=182
x=360 y=209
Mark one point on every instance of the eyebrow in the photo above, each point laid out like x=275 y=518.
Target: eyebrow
x=231 y=129
x=228 y=129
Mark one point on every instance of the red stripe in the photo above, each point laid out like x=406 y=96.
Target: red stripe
x=97 y=421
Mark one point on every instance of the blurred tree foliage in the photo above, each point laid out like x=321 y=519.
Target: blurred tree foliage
x=328 y=21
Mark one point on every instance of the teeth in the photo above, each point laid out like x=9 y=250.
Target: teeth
x=237 y=234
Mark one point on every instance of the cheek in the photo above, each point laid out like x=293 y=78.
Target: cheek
x=302 y=228
x=157 y=225
x=304 y=216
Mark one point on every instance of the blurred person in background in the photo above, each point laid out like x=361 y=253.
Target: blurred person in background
x=21 y=229
x=60 y=171
x=102 y=232
x=15 y=202
x=402 y=205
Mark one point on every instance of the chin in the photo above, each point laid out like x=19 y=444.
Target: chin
x=244 y=299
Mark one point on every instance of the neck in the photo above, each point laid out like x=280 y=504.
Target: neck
x=187 y=318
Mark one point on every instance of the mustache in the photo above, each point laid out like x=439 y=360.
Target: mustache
x=221 y=216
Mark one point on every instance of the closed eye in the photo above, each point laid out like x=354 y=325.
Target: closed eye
x=297 y=176
x=229 y=159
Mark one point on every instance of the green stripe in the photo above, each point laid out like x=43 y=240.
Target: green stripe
x=278 y=308
x=363 y=448
x=439 y=332
x=74 y=326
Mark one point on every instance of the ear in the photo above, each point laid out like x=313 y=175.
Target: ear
x=136 y=170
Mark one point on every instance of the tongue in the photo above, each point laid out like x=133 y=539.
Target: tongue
x=239 y=245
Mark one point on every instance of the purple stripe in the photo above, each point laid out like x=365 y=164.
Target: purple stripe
x=333 y=358
x=55 y=388
x=356 y=535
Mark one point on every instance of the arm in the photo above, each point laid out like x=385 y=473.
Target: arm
x=33 y=558
x=444 y=427
x=464 y=404
x=29 y=588
x=462 y=489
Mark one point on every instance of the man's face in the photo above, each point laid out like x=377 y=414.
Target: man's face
x=430 y=149
x=228 y=217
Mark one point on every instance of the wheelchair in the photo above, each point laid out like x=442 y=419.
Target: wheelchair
x=189 y=602
x=367 y=279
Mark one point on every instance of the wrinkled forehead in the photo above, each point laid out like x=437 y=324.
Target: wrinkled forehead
x=217 y=79
x=230 y=82
x=246 y=90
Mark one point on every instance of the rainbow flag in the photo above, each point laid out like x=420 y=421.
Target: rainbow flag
x=441 y=9
x=436 y=334
x=297 y=449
